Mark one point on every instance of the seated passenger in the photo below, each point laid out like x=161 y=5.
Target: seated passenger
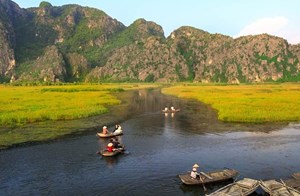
x=166 y=109
x=105 y=130
x=110 y=147
x=173 y=109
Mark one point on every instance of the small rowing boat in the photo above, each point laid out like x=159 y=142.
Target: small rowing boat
x=106 y=153
x=170 y=111
x=209 y=177
x=240 y=188
x=293 y=182
x=296 y=175
x=102 y=135
x=275 y=188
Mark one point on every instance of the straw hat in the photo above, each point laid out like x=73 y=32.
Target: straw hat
x=104 y=127
x=196 y=165
x=110 y=145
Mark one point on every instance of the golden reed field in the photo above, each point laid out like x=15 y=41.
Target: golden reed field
x=21 y=105
x=246 y=103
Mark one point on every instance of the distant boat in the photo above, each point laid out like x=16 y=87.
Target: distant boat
x=278 y=188
x=170 y=111
x=240 y=188
x=209 y=177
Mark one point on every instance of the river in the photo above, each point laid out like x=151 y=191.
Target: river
x=159 y=147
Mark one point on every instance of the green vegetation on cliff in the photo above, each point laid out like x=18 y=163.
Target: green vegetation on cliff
x=106 y=50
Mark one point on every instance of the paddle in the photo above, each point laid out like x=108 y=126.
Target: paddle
x=204 y=188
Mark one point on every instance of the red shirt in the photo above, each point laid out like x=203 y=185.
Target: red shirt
x=109 y=148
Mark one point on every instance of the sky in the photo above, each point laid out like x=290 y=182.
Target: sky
x=228 y=17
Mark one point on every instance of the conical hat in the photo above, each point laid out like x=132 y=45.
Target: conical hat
x=196 y=165
x=110 y=145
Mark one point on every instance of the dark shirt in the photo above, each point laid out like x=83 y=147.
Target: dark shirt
x=116 y=144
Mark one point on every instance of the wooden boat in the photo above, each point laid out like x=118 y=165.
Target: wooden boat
x=240 y=188
x=108 y=135
x=105 y=153
x=296 y=176
x=293 y=182
x=275 y=188
x=209 y=177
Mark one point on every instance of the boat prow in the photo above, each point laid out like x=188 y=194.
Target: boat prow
x=209 y=177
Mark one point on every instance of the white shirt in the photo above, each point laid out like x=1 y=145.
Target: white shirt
x=118 y=131
x=194 y=174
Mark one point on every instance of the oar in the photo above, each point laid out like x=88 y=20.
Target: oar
x=202 y=183
x=287 y=188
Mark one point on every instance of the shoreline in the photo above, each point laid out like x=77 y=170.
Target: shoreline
x=115 y=115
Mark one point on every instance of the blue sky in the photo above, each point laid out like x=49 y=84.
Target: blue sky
x=229 y=17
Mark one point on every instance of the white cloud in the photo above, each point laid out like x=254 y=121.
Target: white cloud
x=271 y=26
x=278 y=26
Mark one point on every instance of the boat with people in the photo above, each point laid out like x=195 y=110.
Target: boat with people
x=114 y=147
x=107 y=153
x=274 y=187
x=106 y=134
x=242 y=187
x=209 y=177
x=171 y=110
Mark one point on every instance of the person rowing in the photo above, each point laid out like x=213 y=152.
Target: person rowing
x=194 y=173
x=118 y=131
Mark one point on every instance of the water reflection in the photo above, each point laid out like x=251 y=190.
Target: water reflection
x=111 y=161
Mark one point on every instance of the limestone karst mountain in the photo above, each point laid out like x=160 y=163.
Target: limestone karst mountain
x=74 y=43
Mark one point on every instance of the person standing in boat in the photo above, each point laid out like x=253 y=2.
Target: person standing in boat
x=194 y=172
x=105 y=130
x=118 y=131
x=116 y=127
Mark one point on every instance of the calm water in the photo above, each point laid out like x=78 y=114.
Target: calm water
x=159 y=148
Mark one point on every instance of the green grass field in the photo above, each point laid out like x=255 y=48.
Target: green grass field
x=21 y=105
x=246 y=103
x=52 y=107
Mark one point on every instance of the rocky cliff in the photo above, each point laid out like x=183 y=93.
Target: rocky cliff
x=74 y=43
x=10 y=15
